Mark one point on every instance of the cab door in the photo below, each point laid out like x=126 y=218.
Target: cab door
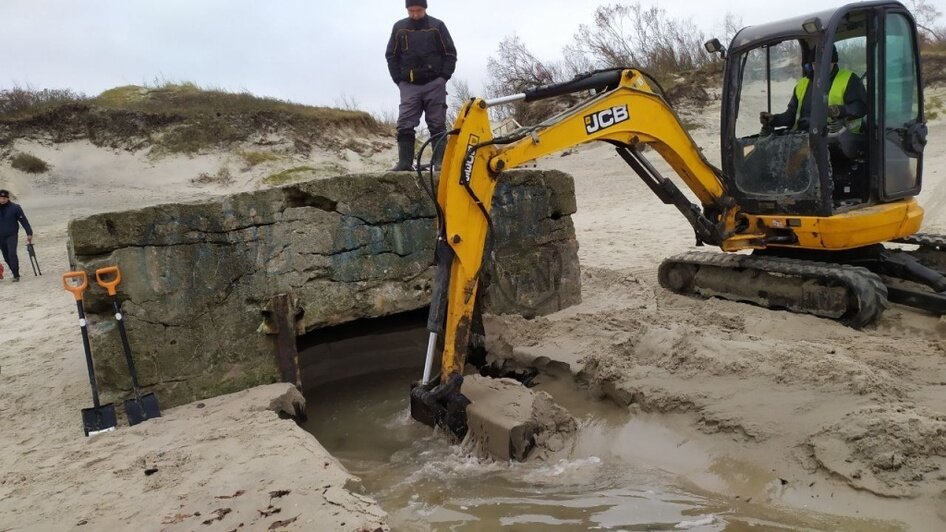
x=899 y=100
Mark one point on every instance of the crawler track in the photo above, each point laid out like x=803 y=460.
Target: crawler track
x=852 y=295
x=932 y=250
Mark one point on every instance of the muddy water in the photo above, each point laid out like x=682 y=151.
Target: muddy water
x=616 y=477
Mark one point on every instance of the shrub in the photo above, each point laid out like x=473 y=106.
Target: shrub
x=934 y=105
x=20 y=99
x=29 y=163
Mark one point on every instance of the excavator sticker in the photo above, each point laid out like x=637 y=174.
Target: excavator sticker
x=467 y=173
x=604 y=119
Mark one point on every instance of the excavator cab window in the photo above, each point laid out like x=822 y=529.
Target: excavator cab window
x=903 y=130
x=823 y=114
x=772 y=161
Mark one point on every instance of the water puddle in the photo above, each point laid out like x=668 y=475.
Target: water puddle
x=624 y=473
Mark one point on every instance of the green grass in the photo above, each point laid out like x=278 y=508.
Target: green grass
x=291 y=175
x=302 y=173
x=29 y=163
x=254 y=158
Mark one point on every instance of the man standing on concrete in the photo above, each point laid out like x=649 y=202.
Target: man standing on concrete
x=421 y=58
x=11 y=218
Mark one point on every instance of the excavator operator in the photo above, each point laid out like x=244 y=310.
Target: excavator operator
x=847 y=107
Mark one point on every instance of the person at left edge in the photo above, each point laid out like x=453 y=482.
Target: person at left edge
x=11 y=218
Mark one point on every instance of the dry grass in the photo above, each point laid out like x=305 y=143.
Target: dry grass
x=175 y=118
x=29 y=163
x=222 y=177
x=254 y=158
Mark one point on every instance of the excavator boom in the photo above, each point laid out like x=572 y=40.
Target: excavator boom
x=627 y=113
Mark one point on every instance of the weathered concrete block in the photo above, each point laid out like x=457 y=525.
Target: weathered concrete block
x=198 y=277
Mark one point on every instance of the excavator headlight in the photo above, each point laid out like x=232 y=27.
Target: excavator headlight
x=713 y=46
x=812 y=25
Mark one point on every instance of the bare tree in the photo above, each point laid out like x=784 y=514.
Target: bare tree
x=458 y=95
x=517 y=69
x=731 y=25
x=633 y=35
x=927 y=15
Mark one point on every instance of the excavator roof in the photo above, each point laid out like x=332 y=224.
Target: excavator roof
x=752 y=36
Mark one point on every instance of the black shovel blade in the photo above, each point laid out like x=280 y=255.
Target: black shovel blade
x=99 y=420
x=143 y=409
x=33 y=260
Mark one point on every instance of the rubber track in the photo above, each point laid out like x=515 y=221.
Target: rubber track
x=935 y=242
x=870 y=293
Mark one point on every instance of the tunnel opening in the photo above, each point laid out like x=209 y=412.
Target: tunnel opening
x=370 y=346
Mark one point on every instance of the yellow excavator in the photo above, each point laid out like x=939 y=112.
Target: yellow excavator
x=810 y=204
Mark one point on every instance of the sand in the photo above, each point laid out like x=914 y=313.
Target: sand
x=225 y=461
x=851 y=421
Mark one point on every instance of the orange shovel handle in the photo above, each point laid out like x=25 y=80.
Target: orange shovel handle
x=101 y=277
x=76 y=289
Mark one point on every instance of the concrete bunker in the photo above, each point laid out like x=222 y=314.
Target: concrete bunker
x=216 y=294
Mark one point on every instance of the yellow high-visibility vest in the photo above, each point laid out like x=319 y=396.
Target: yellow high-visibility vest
x=835 y=96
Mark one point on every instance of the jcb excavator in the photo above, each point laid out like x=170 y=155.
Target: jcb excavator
x=813 y=204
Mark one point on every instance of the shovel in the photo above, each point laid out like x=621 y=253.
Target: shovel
x=142 y=407
x=100 y=418
x=33 y=261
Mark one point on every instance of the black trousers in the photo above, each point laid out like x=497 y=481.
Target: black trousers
x=8 y=248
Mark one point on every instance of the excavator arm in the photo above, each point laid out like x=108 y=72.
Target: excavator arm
x=625 y=112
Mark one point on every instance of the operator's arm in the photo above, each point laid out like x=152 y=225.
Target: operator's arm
x=787 y=118
x=393 y=57
x=855 y=99
x=449 y=52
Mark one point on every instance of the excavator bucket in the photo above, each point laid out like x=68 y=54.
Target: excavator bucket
x=437 y=406
x=498 y=417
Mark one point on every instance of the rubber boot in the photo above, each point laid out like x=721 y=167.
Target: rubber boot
x=439 y=146
x=405 y=152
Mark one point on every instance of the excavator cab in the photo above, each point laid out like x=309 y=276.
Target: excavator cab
x=816 y=164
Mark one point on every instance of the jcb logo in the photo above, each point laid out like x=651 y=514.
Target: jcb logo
x=604 y=119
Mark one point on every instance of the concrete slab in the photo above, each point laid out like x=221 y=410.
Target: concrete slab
x=511 y=422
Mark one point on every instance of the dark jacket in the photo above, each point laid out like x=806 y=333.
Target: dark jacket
x=855 y=103
x=420 y=51
x=11 y=214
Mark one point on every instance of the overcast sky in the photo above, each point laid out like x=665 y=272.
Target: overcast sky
x=308 y=51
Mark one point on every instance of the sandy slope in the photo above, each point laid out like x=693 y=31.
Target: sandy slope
x=51 y=477
x=836 y=413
